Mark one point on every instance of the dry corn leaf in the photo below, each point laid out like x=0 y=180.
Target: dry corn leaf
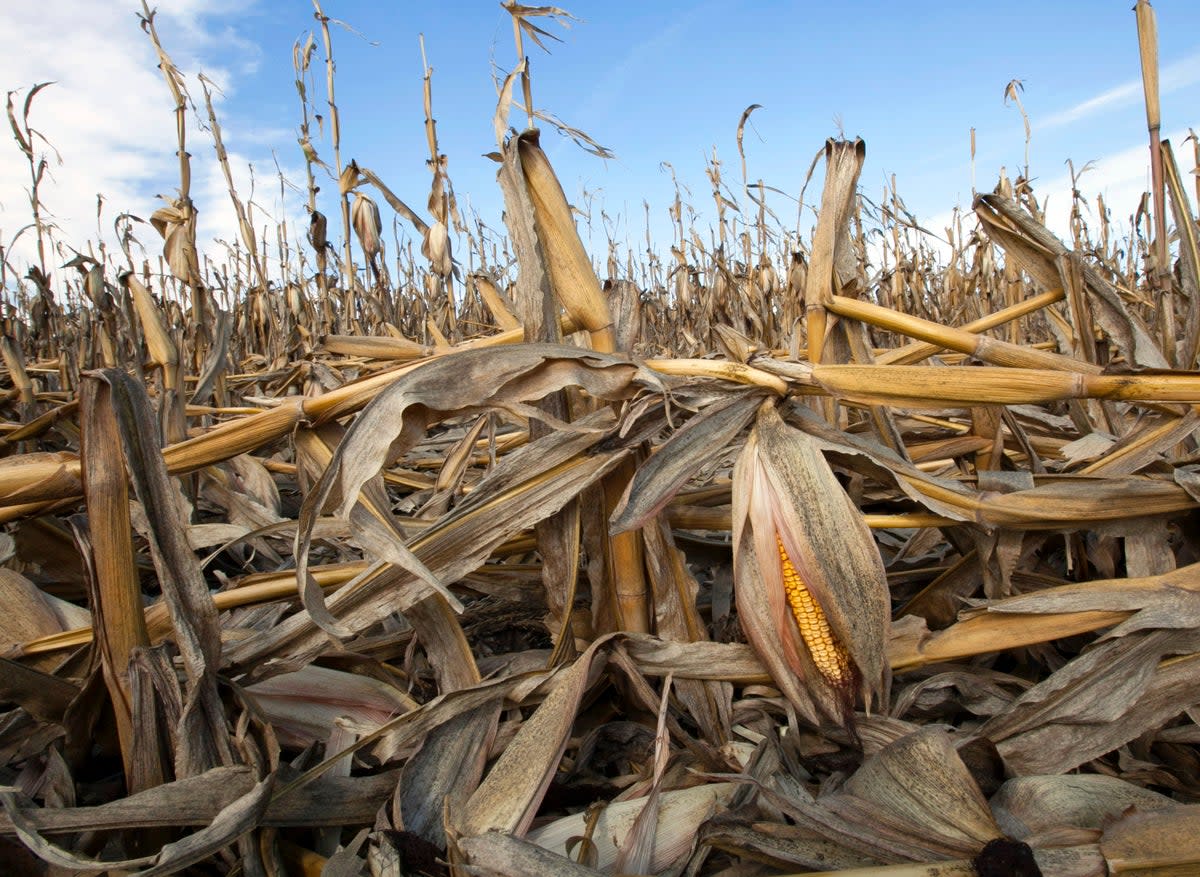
x=1162 y=842
x=784 y=846
x=30 y=613
x=502 y=855
x=303 y=706
x=444 y=772
x=505 y=380
x=913 y=801
x=1034 y=248
x=233 y=820
x=510 y=794
x=1098 y=701
x=1033 y=805
x=919 y=782
x=529 y=485
x=635 y=854
x=942 y=496
x=689 y=448
x=675 y=591
x=43 y=696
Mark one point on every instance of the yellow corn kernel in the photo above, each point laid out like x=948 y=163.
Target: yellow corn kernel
x=830 y=657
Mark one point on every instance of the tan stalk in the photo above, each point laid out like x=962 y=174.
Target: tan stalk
x=843 y=163
x=987 y=349
x=177 y=224
x=1189 y=255
x=1147 y=29
x=116 y=589
x=245 y=225
x=335 y=136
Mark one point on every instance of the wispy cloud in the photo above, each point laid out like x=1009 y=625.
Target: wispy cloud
x=1178 y=74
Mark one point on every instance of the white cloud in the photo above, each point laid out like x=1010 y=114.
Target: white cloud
x=109 y=115
x=1176 y=75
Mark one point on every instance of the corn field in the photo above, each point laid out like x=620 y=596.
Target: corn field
x=797 y=554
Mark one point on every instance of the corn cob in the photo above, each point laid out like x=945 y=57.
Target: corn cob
x=830 y=656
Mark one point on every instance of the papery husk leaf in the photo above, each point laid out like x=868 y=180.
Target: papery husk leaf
x=496 y=302
x=765 y=622
x=681 y=812
x=436 y=248
x=831 y=253
x=163 y=351
x=364 y=217
x=376 y=531
x=303 y=705
x=1082 y=861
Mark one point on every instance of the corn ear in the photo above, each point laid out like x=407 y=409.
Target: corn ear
x=829 y=655
x=811 y=590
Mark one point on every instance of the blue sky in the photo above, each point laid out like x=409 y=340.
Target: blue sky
x=655 y=82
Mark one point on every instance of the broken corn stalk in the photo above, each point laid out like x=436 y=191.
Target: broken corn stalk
x=811 y=590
